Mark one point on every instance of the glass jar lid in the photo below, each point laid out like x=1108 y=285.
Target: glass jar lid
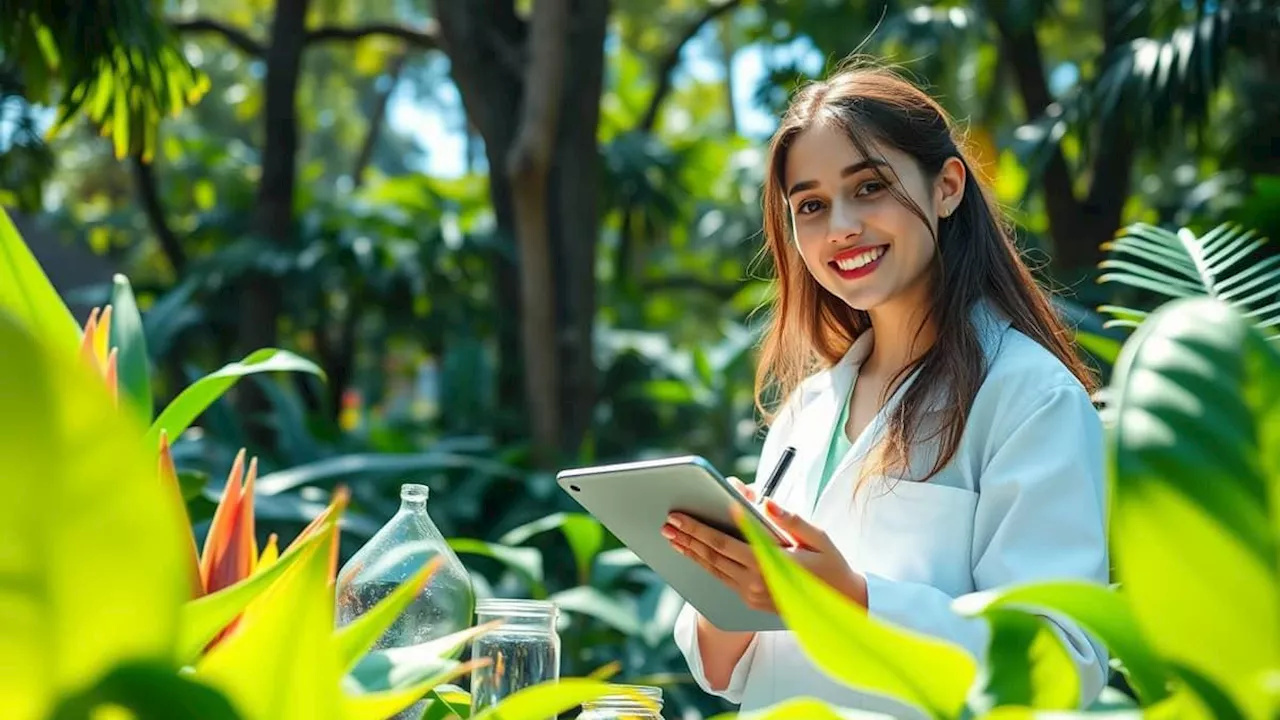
x=643 y=698
x=514 y=607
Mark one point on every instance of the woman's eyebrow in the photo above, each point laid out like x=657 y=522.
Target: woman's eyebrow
x=850 y=170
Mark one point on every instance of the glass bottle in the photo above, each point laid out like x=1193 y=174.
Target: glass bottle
x=626 y=706
x=523 y=651
x=393 y=555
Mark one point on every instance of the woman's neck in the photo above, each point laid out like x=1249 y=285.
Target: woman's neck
x=899 y=336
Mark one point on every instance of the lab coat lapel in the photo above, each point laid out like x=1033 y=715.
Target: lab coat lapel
x=814 y=429
x=990 y=325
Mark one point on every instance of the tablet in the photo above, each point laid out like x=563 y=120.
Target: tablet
x=633 y=500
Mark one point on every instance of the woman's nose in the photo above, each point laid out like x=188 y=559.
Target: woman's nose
x=845 y=222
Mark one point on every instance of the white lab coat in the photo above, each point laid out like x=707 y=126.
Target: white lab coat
x=1022 y=500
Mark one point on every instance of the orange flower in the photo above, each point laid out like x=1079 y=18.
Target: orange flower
x=230 y=548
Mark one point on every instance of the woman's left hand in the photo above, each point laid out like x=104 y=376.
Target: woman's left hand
x=734 y=562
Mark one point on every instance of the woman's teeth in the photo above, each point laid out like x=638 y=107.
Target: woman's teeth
x=853 y=263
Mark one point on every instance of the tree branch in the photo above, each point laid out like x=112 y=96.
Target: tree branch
x=667 y=66
x=149 y=197
x=235 y=36
x=377 y=117
x=426 y=38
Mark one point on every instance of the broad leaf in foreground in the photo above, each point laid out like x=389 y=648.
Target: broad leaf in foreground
x=856 y=649
x=91 y=541
x=1195 y=461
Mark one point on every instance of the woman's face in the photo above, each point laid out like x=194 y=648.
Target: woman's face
x=859 y=241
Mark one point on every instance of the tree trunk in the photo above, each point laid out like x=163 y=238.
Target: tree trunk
x=576 y=218
x=1078 y=227
x=528 y=167
x=488 y=53
x=272 y=220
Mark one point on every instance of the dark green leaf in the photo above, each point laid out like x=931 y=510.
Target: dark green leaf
x=134 y=366
x=148 y=692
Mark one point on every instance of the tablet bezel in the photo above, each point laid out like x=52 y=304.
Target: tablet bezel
x=632 y=500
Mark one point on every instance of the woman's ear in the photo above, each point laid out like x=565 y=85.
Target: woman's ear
x=948 y=189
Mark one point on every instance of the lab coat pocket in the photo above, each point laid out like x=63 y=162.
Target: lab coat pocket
x=918 y=532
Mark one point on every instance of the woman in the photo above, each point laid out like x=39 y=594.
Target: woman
x=945 y=439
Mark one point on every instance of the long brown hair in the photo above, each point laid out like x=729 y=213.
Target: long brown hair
x=810 y=329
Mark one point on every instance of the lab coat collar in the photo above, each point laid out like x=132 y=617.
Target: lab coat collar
x=813 y=428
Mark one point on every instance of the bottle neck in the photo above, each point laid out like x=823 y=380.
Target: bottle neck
x=413 y=497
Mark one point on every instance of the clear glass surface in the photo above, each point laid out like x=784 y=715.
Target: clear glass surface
x=523 y=651
x=394 y=554
x=625 y=707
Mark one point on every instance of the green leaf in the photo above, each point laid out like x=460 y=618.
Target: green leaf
x=28 y=296
x=1215 y=703
x=592 y=602
x=386 y=703
x=204 y=617
x=1222 y=264
x=584 y=534
x=1029 y=665
x=399 y=667
x=358 y=464
x=525 y=562
x=1195 y=456
x=134 y=367
x=549 y=699
x=1104 y=348
x=194 y=400
x=280 y=662
x=856 y=649
x=91 y=542
x=798 y=709
x=1099 y=610
x=148 y=692
x=447 y=701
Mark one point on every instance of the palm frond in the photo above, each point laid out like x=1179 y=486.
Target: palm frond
x=1225 y=264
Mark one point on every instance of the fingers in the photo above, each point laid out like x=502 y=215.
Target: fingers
x=804 y=532
x=747 y=492
x=716 y=541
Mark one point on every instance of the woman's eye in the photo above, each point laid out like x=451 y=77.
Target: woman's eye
x=809 y=206
x=870 y=187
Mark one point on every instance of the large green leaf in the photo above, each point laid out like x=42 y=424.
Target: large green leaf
x=1099 y=610
x=524 y=561
x=549 y=699
x=280 y=662
x=204 y=617
x=26 y=293
x=584 y=534
x=127 y=335
x=799 y=709
x=92 y=545
x=1181 y=265
x=1196 y=464
x=386 y=703
x=860 y=651
x=147 y=691
x=1029 y=666
x=195 y=399
x=382 y=463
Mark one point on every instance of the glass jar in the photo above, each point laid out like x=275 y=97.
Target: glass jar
x=393 y=555
x=626 y=706
x=522 y=652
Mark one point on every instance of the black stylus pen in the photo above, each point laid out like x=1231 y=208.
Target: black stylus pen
x=772 y=483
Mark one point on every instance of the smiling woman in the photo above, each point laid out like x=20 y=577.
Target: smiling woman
x=944 y=437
